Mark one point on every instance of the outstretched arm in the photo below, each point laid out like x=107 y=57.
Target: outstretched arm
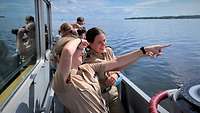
x=129 y=58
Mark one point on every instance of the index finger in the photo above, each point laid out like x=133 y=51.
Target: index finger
x=164 y=46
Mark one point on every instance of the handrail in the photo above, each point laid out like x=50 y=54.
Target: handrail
x=49 y=102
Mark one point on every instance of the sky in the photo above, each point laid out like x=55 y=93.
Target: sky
x=124 y=8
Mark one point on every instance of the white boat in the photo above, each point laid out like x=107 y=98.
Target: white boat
x=27 y=87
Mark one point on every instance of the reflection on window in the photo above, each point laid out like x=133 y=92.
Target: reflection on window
x=46 y=21
x=25 y=41
x=17 y=39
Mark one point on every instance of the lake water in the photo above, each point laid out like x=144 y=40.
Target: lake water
x=179 y=63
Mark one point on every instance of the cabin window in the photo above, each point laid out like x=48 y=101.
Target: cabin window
x=46 y=26
x=17 y=42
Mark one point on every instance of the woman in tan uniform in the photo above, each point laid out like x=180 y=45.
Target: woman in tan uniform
x=98 y=52
x=76 y=84
x=25 y=39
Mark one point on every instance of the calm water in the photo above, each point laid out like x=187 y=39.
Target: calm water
x=179 y=63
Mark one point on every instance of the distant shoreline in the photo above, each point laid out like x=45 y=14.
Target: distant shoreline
x=168 y=17
x=2 y=16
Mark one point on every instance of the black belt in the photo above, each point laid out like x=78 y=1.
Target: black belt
x=105 y=90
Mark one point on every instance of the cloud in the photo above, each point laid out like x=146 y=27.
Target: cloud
x=163 y=8
x=75 y=5
x=86 y=8
x=111 y=8
x=152 y=2
x=71 y=1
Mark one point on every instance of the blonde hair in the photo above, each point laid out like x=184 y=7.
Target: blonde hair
x=57 y=50
x=65 y=27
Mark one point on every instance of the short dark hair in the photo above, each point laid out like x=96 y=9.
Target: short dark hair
x=30 y=18
x=81 y=31
x=80 y=19
x=92 y=33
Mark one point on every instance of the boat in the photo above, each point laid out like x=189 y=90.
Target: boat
x=27 y=87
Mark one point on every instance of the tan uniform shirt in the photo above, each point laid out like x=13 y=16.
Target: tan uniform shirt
x=93 y=57
x=111 y=96
x=81 y=92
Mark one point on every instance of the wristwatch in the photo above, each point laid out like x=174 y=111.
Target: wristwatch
x=143 y=50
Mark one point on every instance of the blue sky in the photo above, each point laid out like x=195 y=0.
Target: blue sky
x=124 y=8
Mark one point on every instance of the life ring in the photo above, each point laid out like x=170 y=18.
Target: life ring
x=155 y=100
